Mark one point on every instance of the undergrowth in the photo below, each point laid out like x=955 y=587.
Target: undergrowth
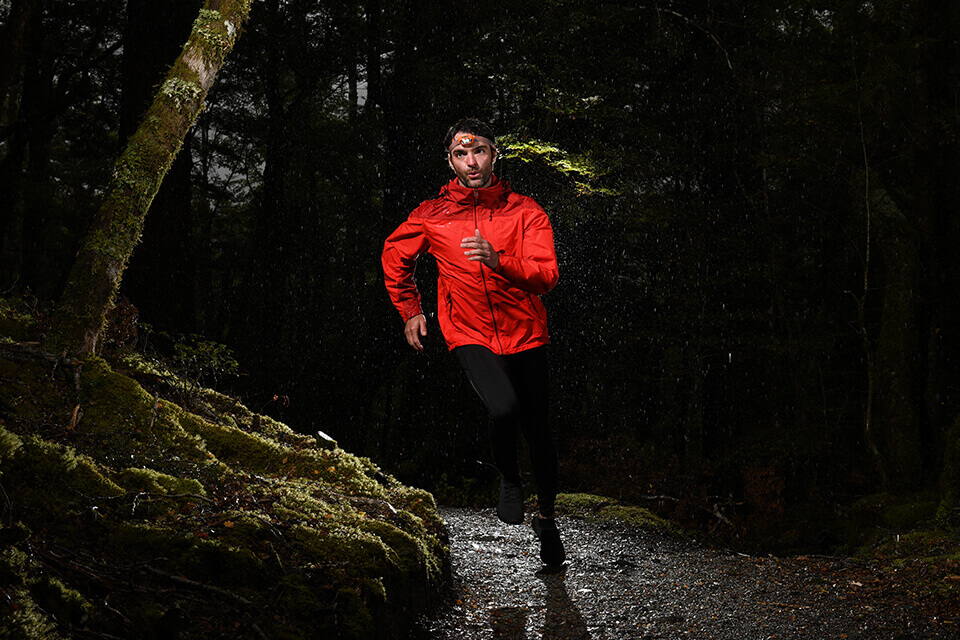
x=134 y=509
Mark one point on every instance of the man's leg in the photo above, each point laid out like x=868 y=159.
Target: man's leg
x=531 y=380
x=530 y=375
x=488 y=374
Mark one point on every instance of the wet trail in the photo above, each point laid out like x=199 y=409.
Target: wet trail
x=624 y=584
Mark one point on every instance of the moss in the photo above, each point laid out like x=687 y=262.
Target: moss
x=581 y=504
x=9 y=443
x=906 y=515
x=21 y=617
x=137 y=542
x=214 y=562
x=65 y=605
x=413 y=555
x=118 y=487
x=356 y=620
x=313 y=605
x=607 y=510
x=155 y=481
x=121 y=420
x=41 y=464
x=418 y=502
x=16 y=324
x=233 y=445
x=897 y=512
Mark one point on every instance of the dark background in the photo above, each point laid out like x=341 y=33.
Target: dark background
x=754 y=203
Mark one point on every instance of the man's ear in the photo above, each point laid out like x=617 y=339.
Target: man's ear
x=450 y=162
x=496 y=155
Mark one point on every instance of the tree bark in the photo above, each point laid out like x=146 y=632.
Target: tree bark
x=897 y=362
x=12 y=44
x=15 y=42
x=118 y=224
x=373 y=56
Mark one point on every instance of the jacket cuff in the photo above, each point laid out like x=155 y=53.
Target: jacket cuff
x=410 y=310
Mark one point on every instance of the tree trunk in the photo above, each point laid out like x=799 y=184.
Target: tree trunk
x=117 y=226
x=24 y=21
x=935 y=201
x=897 y=364
x=373 y=56
x=950 y=471
x=12 y=44
x=266 y=282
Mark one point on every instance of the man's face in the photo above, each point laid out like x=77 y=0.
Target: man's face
x=471 y=158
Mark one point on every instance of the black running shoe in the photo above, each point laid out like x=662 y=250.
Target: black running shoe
x=510 y=507
x=551 y=548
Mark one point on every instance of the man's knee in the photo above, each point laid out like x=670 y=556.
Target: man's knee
x=505 y=413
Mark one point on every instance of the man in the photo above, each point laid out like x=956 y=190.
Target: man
x=495 y=257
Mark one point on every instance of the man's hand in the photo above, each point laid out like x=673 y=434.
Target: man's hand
x=480 y=249
x=414 y=329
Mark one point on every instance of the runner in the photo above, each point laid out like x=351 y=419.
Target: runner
x=495 y=257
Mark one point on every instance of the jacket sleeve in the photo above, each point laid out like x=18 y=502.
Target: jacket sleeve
x=399 y=261
x=536 y=270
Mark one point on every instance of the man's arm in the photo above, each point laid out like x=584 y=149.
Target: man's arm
x=399 y=261
x=536 y=270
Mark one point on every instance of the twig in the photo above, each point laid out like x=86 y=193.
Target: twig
x=714 y=509
x=378 y=502
x=709 y=34
x=75 y=418
x=88 y=633
x=198 y=585
x=156 y=405
x=9 y=507
x=31 y=352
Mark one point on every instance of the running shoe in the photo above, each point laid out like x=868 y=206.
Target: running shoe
x=510 y=507
x=551 y=547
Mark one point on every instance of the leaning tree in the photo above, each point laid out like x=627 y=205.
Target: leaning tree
x=118 y=223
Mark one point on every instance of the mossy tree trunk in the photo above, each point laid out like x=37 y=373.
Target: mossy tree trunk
x=118 y=224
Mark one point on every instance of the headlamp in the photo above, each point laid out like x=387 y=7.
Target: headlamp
x=467 y=140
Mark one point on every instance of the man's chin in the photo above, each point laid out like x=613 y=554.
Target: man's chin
x=475 y=183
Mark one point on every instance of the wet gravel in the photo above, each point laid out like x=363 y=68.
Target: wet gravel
x=620 y=583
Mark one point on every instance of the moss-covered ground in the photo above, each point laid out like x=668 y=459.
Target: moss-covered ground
x=130 y=512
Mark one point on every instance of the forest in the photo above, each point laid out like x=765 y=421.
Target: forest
x=757 y=325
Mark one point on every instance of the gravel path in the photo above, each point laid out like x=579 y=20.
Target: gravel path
x=619 y=583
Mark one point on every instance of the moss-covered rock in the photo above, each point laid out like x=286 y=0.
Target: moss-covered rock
x=607 y=510
x=134 y=513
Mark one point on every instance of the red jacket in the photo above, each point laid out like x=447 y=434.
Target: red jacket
x=499 y=309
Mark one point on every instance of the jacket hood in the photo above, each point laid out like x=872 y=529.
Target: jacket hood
x=491 y=196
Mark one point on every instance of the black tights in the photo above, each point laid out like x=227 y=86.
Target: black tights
x=515 y=390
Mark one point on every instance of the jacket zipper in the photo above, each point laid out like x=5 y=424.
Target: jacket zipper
x=483 y=275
